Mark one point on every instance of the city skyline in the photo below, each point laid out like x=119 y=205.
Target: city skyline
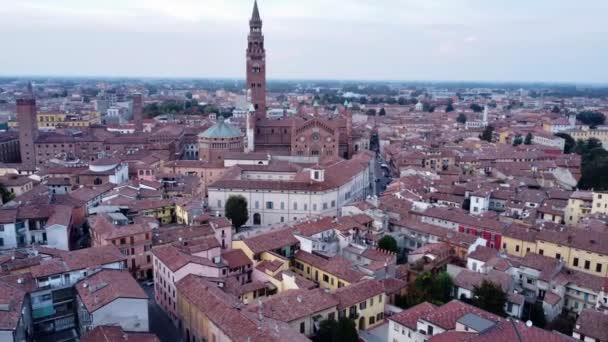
x=442 y=41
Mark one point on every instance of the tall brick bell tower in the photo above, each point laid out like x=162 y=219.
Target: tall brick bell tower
x=28 y=130
x=256 y=64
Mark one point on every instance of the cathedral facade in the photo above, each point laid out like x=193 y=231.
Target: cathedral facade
x=305 y=134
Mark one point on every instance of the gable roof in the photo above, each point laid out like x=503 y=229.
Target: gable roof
x=106 y=286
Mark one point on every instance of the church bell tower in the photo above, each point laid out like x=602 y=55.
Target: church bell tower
x=256 y=64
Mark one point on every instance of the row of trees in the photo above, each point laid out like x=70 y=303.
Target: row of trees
x=189 y=107
x=520 y=140
x=591 y=118
x=594 y=161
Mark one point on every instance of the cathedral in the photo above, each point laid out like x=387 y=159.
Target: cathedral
x=303 y=135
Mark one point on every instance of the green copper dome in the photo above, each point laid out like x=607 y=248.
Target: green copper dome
x=221 y=130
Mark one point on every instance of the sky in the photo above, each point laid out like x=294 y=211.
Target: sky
x=451 y=40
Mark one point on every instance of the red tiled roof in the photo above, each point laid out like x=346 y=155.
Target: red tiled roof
x=337 y=266
x=409 y=317
x=236 y=258
x=175 y=259
x=358 y=292
x=291 y=305
x=238 y=325
x=13 y=297
x=592 y=323
x=271 y=240
x=106 y=333
x=106 y=286
x=78 y=260
x=446 y=315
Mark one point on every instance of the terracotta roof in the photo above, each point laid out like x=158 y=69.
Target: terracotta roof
x=446 y=315
x=469 y=280
x=358 y=292
x=8 y=216
x=483 y=253
x=237 y=325
x=102 y=225
x=236 y=258
x=271 y=240
x=337 y=266
x=547 y=266
x=78 y=260
x=592 y=323
x=393 y=285
x=409 y=317
x=89 y=193
x=106 y=333
x=512 y=330
x=106 y=286
x=271 y=266
x=291 y=305
x=12 y=299
x=552 y=298
x=175 y=259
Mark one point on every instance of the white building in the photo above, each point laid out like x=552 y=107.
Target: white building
x=283 y=192
x=548 y=140
x=53 y=299
x=111 y=297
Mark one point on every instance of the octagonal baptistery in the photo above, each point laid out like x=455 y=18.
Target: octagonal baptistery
x=219 y=139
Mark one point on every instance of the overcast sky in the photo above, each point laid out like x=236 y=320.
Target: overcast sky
x=485 y=40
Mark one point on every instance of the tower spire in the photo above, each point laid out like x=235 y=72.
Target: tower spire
x=256 y=13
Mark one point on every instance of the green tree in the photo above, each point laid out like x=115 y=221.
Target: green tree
x=570 y=144
x=594 y=168
x=490 y=297
x=382 y=112
x=428 y=287
x=476 y=108
x=518 y=140
x=462 y=118
x=236 y=211
x=7 y=196
x=326 y=330
x=563 y=323
x=537 y=315
x=487 y=133
x=343 y=330
x=449 y=108
x=528 y=140
x=555 y=109
x=591 y=118
x=388 y=243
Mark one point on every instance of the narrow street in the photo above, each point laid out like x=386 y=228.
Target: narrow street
x=160 y=323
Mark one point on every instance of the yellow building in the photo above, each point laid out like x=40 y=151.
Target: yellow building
x=518 y=240
x=584 y=134
x=579 y=205
x=363 y=302
x=53 y=120
x=599 y=203
x=281 y=242
x=582 y=250
x=162 y=210
x=301 y=309
x=332 y=273
x=206 y=314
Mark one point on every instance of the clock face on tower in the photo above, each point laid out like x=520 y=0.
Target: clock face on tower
x=315 y=136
